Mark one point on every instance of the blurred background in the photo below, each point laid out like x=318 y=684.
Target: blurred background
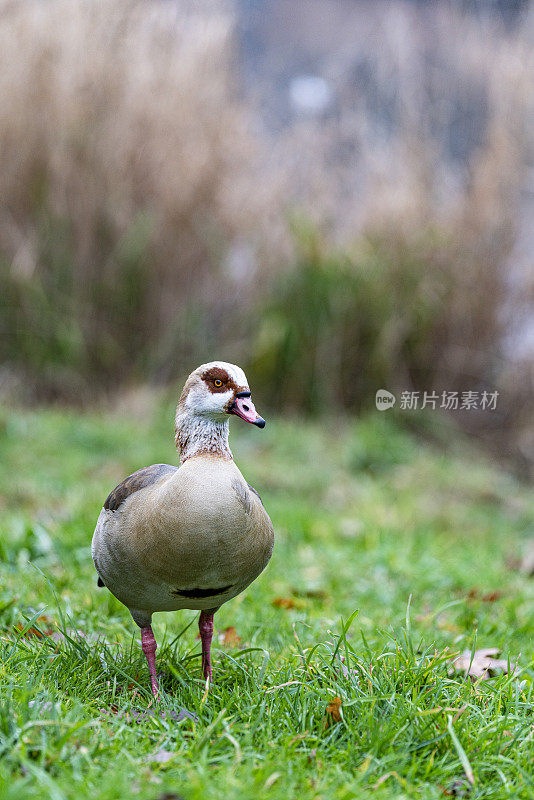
x=338 y=195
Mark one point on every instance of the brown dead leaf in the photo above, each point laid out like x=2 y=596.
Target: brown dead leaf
x=333 y=709
x=30 y=633
x=229 y=637
x=37 y=633
x=283 y=602
x=482 y=664
x=487 y=597
x=491 y=597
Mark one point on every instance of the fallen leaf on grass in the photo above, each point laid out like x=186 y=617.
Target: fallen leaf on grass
x=481 y=663
x=229 y=637
x=283 y=602
x=36 y=632
x=488 y=597
x=31 y=632
x=491 y=597
x=333 y=709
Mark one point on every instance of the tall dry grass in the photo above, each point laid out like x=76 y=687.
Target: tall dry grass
x=418 y=189
x=126 y=173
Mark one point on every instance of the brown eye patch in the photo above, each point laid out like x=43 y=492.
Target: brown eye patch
x=218 y=380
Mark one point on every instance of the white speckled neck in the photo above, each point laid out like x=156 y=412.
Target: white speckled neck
x=198 y=435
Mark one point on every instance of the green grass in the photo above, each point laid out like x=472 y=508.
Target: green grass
x=366 y=517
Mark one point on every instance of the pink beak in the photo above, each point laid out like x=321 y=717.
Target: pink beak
x=244 y=407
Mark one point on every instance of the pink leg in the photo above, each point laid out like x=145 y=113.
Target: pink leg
x=205 y=626
x=148 y=643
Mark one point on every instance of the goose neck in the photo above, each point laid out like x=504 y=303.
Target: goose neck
x=201 y=435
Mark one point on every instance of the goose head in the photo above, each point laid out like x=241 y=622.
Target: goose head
x=218 y=389
x=212 y=393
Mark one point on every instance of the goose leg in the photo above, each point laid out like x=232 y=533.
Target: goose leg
x=148 y=644
x=205 y=627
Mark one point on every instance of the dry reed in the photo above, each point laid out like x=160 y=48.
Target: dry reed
x=125 y=175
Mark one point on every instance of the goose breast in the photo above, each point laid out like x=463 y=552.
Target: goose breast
x=194 y=538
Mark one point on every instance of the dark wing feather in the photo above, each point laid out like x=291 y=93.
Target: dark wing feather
x=138 y=480
x=252 y=489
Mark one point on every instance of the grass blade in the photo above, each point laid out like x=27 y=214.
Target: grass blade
x=461 y=752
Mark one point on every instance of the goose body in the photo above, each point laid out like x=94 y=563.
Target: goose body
x=193 y=536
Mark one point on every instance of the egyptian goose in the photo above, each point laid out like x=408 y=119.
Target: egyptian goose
x=192 y=536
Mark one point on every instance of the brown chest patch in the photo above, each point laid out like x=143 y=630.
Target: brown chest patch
x=137 y=480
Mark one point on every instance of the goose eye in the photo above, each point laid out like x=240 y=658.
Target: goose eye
x=217 y=382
